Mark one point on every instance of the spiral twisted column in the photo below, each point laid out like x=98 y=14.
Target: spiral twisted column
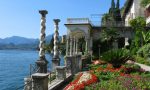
x=42 y=37
x=56 y=38
x=56 y=59
x=42 y=62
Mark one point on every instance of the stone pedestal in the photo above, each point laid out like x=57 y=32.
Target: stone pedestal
x=28 y=83
x=55 y=62
x=69 y=64
x=80 y=62
x=40 y=81
x=73 y=64
x=60 y=72
x=42 y=65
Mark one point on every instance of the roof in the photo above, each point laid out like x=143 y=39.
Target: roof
x=127 y=7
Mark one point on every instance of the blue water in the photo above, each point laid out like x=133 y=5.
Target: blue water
x=14 y=66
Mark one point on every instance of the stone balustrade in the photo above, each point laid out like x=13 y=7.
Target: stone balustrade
x=73 y=64
x=39 y=81
x=78 y=21
x=60 y=72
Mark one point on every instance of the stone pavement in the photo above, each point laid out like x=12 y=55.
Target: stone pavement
x=145 y=67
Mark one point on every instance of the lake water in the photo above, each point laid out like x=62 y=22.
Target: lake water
x=14 y=66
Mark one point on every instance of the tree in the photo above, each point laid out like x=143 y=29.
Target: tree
x=106 y=19
x=49 y=47
x=145 y=2
x=51 y=44
x=138 y=24
x=109 y=35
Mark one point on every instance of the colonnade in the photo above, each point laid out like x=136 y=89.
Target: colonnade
x=72 y=46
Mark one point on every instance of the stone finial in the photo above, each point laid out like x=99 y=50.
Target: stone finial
x=43 y=12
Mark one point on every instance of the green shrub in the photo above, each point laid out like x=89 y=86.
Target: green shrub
x=142 y=60
x=134 y=66
x=106 y=75
x=122 y=83
x=138 y=25
x=144 y=51
x=116 y=57
x=132 y=69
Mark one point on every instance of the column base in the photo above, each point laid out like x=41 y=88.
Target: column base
x=42 y=65
x=40 y=81
x=60 y=72
x=55 y=62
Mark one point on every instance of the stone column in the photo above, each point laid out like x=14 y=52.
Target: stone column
x=39 y=81
x=56 y=59
x=70 y=46
x=67 y=46
x=42 y=62
x=86 y=46
x=74 y=46
x=77 y=46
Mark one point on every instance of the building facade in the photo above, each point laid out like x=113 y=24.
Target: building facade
x=132 y=10
x=78 y=28
x=147 y=15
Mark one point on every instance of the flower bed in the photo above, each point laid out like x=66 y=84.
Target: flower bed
x=127 y=77
x=103 y=76
x=82 y=80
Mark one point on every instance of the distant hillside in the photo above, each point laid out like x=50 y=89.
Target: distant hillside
x=17 y=42
x=49 y=37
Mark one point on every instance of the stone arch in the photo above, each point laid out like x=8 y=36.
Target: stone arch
x=78 y=33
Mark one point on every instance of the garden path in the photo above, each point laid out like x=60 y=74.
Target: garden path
x=145 y=67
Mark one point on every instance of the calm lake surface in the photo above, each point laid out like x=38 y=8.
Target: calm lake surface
x=14 y=66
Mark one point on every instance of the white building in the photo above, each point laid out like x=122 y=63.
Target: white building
x=147 y=15
x=132 y=10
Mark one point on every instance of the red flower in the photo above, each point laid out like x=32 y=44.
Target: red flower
x=80 y=86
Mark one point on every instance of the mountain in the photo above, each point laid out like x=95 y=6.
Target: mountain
x=17 y=42
x=49 y=37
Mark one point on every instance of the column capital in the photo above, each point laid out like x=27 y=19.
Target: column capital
x=43 y=12
x=56 y=21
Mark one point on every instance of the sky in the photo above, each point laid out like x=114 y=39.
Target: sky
x=22 y=18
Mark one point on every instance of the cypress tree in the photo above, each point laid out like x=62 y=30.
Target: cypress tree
x=118 y=4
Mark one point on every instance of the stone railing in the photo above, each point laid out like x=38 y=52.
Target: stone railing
x=78 y=21
x=54 y=80
x=65 y=73
x=115 y=24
